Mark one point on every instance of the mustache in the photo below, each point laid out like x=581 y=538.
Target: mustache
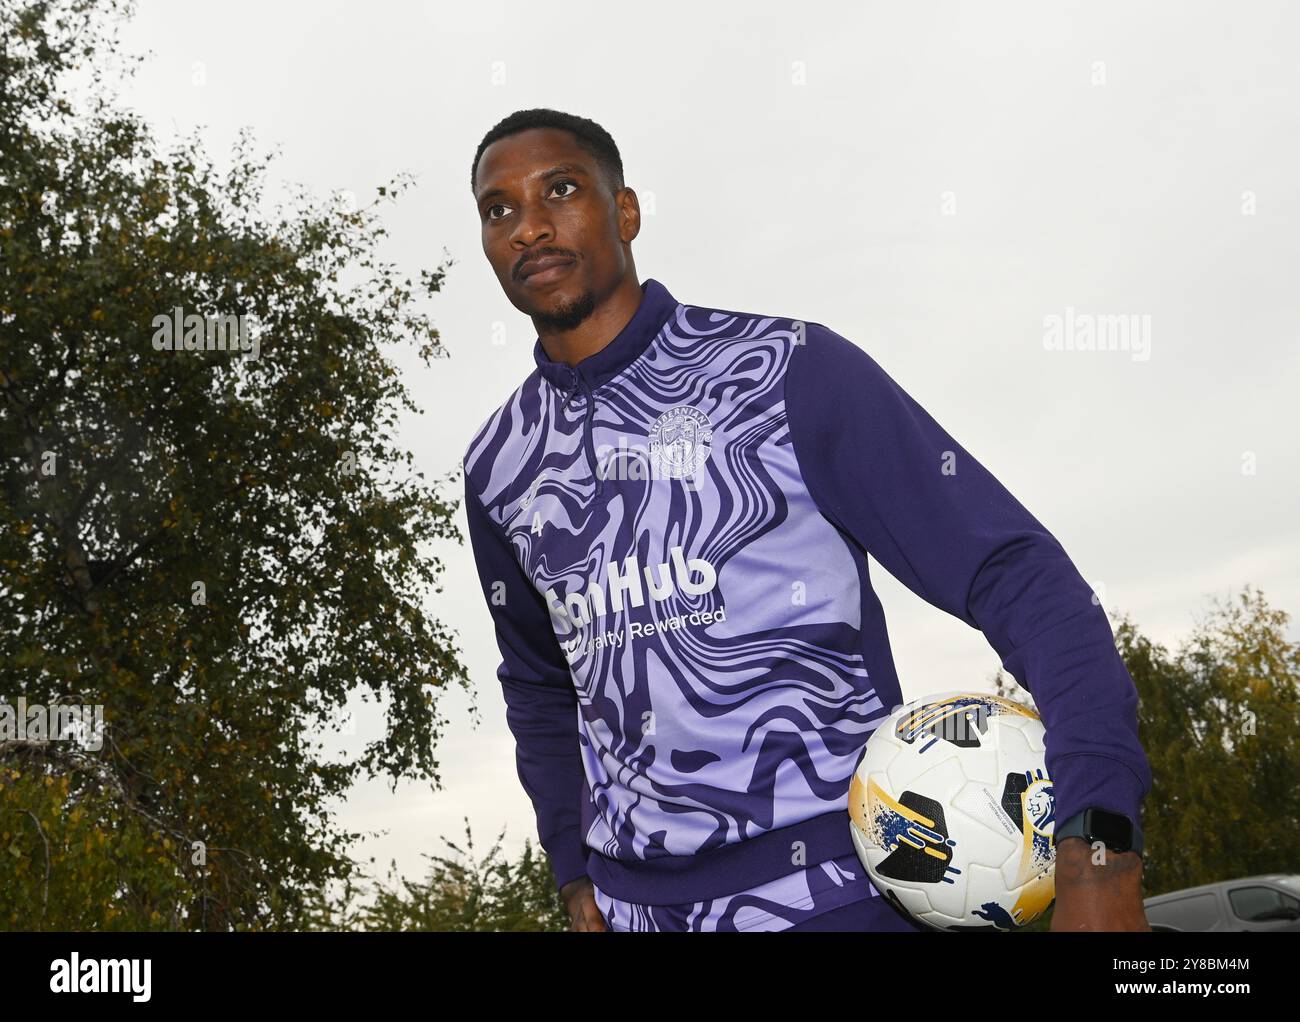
x=536 y=256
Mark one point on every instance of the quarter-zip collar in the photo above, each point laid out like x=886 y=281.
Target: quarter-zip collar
x=598 y=368
x=656 y=306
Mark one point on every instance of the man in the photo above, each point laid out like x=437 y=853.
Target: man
x=670 y=519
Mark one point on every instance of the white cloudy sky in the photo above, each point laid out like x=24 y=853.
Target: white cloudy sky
x=1100 y=157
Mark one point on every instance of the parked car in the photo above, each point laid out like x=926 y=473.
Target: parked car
x=1267 y=902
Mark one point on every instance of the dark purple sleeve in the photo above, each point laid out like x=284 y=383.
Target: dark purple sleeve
x=887 y=474
x=541 y=704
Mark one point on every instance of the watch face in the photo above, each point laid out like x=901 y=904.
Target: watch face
x=1114 y=830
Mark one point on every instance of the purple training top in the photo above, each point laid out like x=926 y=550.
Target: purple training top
x=672 y=537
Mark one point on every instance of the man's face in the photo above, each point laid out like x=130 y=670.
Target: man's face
x=557 y=239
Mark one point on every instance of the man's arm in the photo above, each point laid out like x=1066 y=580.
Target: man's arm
x=887 y=474
x=541 y=705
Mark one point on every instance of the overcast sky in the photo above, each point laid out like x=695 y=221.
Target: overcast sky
x=935 y=181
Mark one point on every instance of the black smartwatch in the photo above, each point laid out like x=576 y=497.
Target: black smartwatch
x=1115 y=830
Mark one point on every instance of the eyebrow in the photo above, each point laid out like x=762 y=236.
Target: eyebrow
x=544 y=176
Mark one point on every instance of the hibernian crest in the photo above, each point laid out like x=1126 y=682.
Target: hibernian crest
x=680 y=442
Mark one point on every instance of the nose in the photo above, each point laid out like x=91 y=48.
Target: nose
x=532 y=229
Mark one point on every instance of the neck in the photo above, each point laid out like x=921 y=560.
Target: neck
x=604 y=324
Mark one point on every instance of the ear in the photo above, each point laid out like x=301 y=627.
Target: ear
x=629 y=215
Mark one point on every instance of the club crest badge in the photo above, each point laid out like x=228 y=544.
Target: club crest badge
x=680 y=442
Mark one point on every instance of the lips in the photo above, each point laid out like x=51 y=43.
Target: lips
x=546 y=268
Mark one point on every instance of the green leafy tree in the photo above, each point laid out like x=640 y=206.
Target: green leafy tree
x=215 y=546
x=1220 y=719
x=459 y=893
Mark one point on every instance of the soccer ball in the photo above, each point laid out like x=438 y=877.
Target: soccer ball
x=951 y=812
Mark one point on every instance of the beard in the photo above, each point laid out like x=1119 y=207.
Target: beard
x=567 y=315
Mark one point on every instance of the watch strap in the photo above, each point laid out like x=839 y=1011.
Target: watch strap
x=1115 y=830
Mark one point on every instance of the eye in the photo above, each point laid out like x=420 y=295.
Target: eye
x=564 y=182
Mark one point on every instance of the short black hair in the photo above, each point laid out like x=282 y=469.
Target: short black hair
x=591 y=137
